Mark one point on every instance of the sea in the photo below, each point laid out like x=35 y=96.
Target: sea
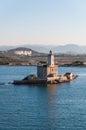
x=42 y=107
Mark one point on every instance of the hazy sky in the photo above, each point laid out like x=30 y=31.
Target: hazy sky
x=42 y=22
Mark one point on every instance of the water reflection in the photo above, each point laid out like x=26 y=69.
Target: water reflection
x=52 y=104
x=52 y=88
x=43 y=106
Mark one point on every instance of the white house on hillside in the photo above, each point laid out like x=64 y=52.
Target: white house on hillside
x=26 y=53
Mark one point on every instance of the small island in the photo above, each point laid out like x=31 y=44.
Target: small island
x=47 y=74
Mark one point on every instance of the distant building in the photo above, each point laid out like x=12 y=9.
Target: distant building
x=26 y=53
x=49 y=70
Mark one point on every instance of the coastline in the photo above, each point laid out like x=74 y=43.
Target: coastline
x=60 y=79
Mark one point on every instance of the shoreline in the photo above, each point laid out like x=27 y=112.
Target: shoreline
x=59 y=65
x=59 y=79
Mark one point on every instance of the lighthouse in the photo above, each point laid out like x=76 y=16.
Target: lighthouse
x=48 y=71
x=51 y=59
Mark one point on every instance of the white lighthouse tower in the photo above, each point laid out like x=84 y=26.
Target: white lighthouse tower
x=51 y=59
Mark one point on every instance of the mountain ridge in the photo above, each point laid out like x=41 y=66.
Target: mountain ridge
x=63 y=49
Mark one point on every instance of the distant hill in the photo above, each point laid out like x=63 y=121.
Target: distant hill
x=63 y=49
x=69 y=49
x=22 y=51
x=38 y=48
x=41 y=49
x=5 y=48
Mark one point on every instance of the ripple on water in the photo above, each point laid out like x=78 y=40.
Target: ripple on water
x=54 y=107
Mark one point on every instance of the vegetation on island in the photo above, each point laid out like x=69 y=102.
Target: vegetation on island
x=10 y=58
x=25 y=61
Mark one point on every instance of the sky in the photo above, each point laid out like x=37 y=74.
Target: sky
x=53 y=22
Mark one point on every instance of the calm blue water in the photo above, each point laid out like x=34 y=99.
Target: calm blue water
x=51 y=107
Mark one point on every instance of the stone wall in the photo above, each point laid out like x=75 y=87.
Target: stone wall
x=52 y=70
x=42 y=72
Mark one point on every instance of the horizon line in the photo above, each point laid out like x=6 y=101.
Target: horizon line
x=46 y=44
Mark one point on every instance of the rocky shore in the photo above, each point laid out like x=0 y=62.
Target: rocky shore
x=32 y=79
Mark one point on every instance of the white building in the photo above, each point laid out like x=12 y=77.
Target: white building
x=26 y=53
